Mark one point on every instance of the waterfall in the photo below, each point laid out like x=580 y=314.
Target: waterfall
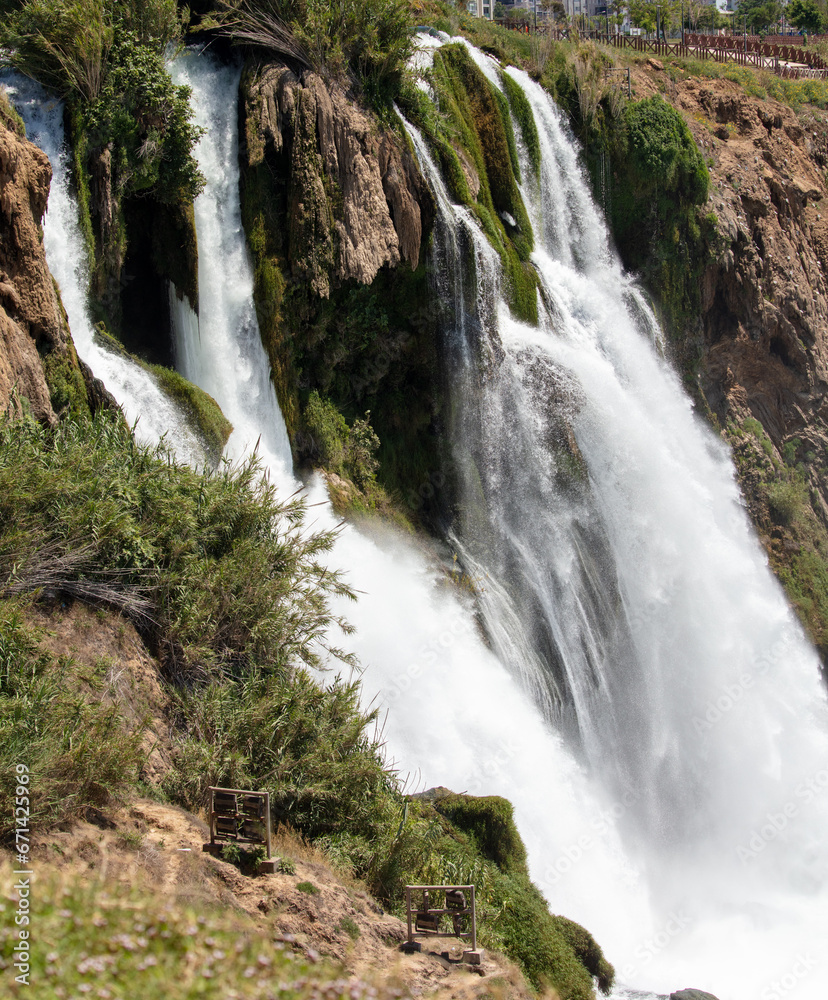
x=221 y=350
x=135 y=389
x=454 y=715
x=645 y=698
x=606 y=523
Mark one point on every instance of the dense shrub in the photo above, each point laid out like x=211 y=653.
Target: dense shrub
x=347 y=451
x=662 y=152
x=490 y=823
x=656 y=181
x=146 y=119
x=309 y=744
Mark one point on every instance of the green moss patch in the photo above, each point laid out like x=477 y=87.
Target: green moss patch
x=522 y=111
x=778 y=494
x=204 y=412
x=67 y=388
x=489 y=821
x=479 y=117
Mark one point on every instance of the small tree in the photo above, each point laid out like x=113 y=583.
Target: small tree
x=758 y=14
x=806 y=15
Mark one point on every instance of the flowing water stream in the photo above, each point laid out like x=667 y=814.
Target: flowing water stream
x=648 y=702
x=135 y=389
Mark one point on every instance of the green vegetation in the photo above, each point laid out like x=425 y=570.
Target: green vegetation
x=350 y=927
x=755 y=82
x=759 y=14
x=308 y=888
x=67 y=389
x=203 y=411
x=211 y=566
x=307 y=743
x=465 y=840
x=807 y=15
x=656 y=182
x=9 y=117
x=79 y=754
x=369 y=39
x=347 y=451
x=778 y=496
x=522 y=111
x=490 y=825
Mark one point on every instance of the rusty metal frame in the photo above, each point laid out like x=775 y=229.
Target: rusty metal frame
x=469 y=910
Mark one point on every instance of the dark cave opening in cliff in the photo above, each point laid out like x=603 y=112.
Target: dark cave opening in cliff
x=145 y=328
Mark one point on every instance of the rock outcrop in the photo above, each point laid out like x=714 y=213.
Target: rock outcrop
x=32 y=322
x=355 y=198
x=765 y=300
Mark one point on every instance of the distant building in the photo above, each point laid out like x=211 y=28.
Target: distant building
x=532 y=6
x=481 y=8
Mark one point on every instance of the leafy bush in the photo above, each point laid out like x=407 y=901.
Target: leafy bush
x=308 y=744
x=65 y=44
x=147 y=120
x=213 y=566
x=787 y=500
x=350 y=926
x=663 y=153
x=347 y=451
x=489 y=821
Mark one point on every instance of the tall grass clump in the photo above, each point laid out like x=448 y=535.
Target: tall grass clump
x=78 y=753
x=310 y=744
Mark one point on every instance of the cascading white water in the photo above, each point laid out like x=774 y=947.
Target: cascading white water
x=669 y=652
x=135 y=389
x=221 y=350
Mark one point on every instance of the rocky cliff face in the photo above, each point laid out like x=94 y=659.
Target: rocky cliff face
x=32 y=322
x=337 y=217
x=765 y=300
x=355 y=198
